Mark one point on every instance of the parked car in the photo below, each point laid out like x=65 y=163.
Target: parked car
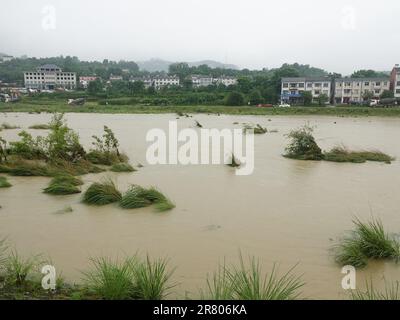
x=284 y=105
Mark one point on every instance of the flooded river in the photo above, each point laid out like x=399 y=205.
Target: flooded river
x=289 y=212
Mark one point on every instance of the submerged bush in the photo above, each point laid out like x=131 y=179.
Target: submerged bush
x=40 y=127
x=122 y=167
x=7 y=126
x=257 y=129
x=302 y=145
x=342 y=154
x=139 y=197
x=248 y=283
x=102 y=193
x=63 y=185
x=234 y=163
x=368 y=241
x=4 y=183
x=106 y=150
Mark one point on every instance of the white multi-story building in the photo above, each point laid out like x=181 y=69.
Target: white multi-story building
x=49 y=77
x=84 y=81
x=395 y=81
x=349 y=90
x=6 y=58
x=147 y=81
x=165 y=81
x=226 y=81
x=292 y=89
x=201 y=81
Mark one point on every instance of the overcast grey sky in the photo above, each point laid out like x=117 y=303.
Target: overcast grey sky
x=340 y=35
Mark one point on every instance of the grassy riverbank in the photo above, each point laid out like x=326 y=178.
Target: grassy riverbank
x=94 y=107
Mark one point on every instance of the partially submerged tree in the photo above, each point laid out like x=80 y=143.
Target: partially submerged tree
x=303 y=145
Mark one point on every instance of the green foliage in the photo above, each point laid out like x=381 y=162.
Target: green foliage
x=323 y=99
x=63 y=185
x=248 y=283
x=129 y=279
x=106 y=150
x=122 y=167
x=40 y=127
x=307 y=98
x=102 y=193
x=95 y=87
x=139 y=197
x=255 y=97
x=234 y=99
x=151 y=279
x=368 y=241
x=4 y=182
x=387 y=94
x=111 y=280
x=302 y=145
x=341 y=154
x=17 y=269
x=28 y=147
x=368 y=74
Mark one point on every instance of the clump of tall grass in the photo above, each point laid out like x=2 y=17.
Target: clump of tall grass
x=391 y=292
x=139 y=197
x=248 y=283
x=368 y=241
x=129 y=279
x=122 y=167
x=102 y=193
x=302 y=145
x=151 y=279
x=25 y=168
x=18 y=269
x=40 y=127
x=63 y=185
x=4 y=183
x=111 y=280
x=342 y=154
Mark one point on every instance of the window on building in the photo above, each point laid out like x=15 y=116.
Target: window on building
x=397 y=90
x=301 y=85
x=285 y=85
x=398 y=84
x=309 y=85
x=326 y=84
x=377 y=91
x=317 y=85
x=317 y=92
x=377 y=83
x=366 y=83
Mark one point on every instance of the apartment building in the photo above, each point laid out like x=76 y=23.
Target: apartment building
x=165 y=81
x=148 y=81
x=226 y=81
x=395 y=81
x=84 y=81
x=201 y=81
x=292 y=88
x=348 y=90
x=49 y=77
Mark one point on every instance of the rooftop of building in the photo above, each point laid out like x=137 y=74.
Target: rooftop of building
x=362 y=79
x=305 y=79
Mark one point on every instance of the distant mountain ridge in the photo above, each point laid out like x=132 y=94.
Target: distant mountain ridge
x=154 y=65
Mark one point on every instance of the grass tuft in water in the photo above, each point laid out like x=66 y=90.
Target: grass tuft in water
x=17 y=269
x=139 y=197
x=234 y=163
x=102 y=193
x=122 y=167
x=40 y=127
x=111 y=280
x=4 y=183
x=151 y=279
x=342 y=154
x=63 y=185
x=7 y=126
x=248 y=283
x=391 y=292
x=368 y=241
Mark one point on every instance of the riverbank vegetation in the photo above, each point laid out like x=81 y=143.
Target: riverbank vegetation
x=302 y=146
x=249 y=283
x=368 y=241
x=391 y=292
x=4 y=182
x=102 y=193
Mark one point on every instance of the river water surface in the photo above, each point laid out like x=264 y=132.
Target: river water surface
x=287 y=212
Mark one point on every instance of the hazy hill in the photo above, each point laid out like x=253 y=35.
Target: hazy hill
x=154 y=65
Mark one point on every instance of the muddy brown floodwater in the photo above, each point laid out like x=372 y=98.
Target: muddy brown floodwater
x=289 y=212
